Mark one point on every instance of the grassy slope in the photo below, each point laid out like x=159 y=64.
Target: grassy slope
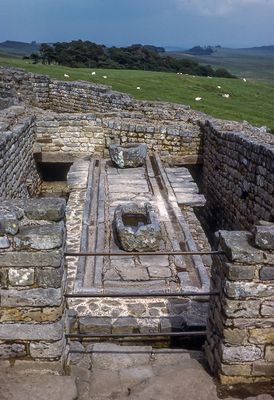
x=253 y=63
x=251 y=101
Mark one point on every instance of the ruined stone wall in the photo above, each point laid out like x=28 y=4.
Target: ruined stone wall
x=72 y=135
x=240 y=342
x=32 y=279
x=238 y=174
x=18 y=173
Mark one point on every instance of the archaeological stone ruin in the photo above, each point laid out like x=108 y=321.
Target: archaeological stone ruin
x=132 y=222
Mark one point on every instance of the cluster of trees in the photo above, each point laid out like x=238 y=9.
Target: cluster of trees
x=80 y=53
x=200 y=51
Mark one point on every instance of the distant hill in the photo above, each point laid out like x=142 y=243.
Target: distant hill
x=252 y=62
x=18 y=48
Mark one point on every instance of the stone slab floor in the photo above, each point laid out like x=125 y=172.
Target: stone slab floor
x=135 y=373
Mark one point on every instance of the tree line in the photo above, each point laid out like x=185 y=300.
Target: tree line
x=78 y=54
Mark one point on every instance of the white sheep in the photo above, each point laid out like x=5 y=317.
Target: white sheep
x=198 y=98
x=244 y=79
x=138 y=88
x=93 y=73
x=226 y=95
x=218 y=87
x=105 y=77
x=66 y=75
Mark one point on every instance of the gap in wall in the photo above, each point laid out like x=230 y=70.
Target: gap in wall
x=54 y=179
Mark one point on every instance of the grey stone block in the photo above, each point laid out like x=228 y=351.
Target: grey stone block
x=239 y=272
x=29 y=259
x=47 y=350
x=42 y=237
x=241 y=353
x=95 y=325
x=50 y=209
x=21 y=276
x=125 y=325
x=131 y=155
x=45 y=332
x=247 y=289
x=49 y=278
x=12 y=350
x=267 y=273
x=4 y=242
x=8 y=224
x=237 y=247
x=264 y=236
x=31 y=297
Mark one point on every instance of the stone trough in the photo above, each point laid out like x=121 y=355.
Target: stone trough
x=137 y=227
x=128 y=156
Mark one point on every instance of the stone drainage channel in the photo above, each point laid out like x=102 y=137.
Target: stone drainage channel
x=122 y=293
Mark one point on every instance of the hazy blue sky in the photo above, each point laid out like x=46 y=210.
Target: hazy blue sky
x=181 y=23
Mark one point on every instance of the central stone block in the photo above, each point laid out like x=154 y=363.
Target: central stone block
x=137 y=227
x=128 y=156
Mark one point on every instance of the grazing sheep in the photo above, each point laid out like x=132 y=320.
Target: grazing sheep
x=138 y=88
x=218 y=87
x=198 y=98
x=105 y=77
x=66 y=75
x=93 y=73
x=225 y=95
x=244 y=79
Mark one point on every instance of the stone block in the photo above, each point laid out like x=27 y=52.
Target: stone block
x=262 y=336
x=136 y=310
x=12 y=350
x=27 y=331
x=42 y=237
x=50 y=209
x=267 y=273
x=125 y=325
x=239 y=272
x=3 y=278
x=247 y=289
x=159 y=272
x=263 y=369
x=236 y=369
x=47 y=350
x=267 y=308
x=21 y=276
x=240 y=353
x=264 y=236
x=49 y=278
x=4 y=242
x=235 y=336
x=237 y=247
x=241 y=309
x=95 y=325
x=31 y=297
x=8 y=224
x=269 y=353
x=29 y=259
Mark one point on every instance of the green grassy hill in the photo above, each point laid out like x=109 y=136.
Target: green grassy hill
x=253 y=63
x=18 y=48
x=252 y=101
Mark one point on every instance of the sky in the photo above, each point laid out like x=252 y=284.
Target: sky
x=178 y=23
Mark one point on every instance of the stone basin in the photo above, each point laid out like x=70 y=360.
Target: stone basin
x=128 y=156
x=137 y=227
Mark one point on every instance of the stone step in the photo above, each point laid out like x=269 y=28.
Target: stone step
x=20 y=385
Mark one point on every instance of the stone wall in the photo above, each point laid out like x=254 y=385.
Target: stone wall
x=70 y=136
x=18 y=173
x=238 y=174
x=240 y=342
x=32 y=279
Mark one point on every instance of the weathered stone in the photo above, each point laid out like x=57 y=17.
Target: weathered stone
x=29 y=259
x=49 y=278
x=4 y=242
x=159 y=272
x=45 y=332
x=269 y=353
x=241 y=353
x=264 y=236
x=267 y=308
x=235 y=336
x=136 y=310
x=12 y=350
x=31 y=297
x=42 y=237
x=8 y=224
x=131 y=155
x=46 y=350
x=236 y=369
x=133 y=274
x=236 y=272
x=242 y=309
x=267 y=273
x=145 y=236
x=247 y=289
x=172 y=324
x=262 y=336
x=263 y=369
x=50 y=209
x=21 y=277
x=237 y=247
x=95 y=325
x=125 y=325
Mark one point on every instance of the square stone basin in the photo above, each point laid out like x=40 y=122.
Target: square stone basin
x=137 y=227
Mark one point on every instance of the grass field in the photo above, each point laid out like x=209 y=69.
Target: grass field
x=252 y=101
x=252 y=63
